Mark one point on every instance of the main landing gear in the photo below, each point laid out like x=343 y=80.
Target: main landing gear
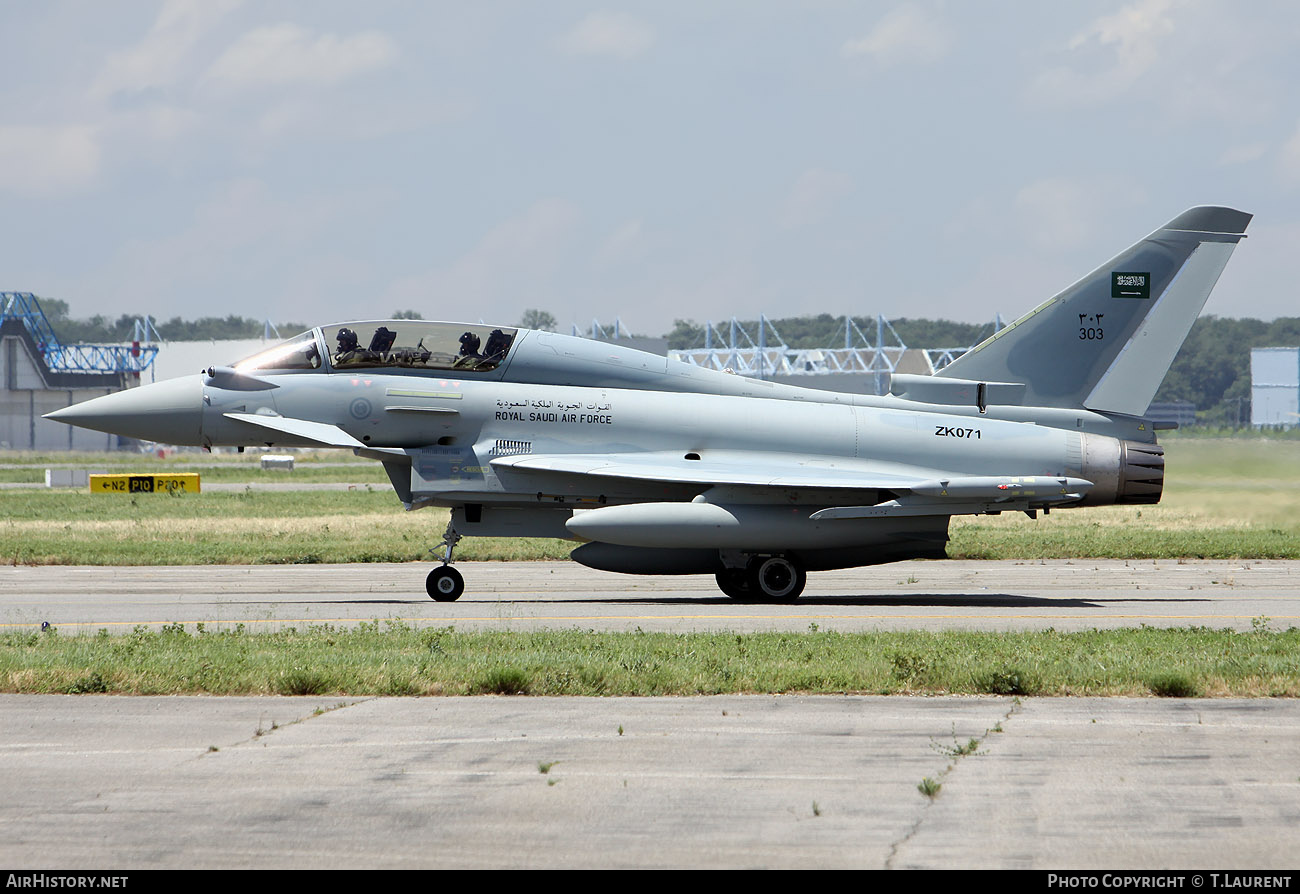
x=764 y=579
x=444 y=583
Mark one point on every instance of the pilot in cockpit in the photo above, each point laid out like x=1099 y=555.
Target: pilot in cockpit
x=469 y=355
x=350 y=353
x=347 y=351
x=497 y=345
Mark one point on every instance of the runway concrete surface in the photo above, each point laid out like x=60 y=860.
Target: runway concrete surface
x=718 y=782
x=1005 y=595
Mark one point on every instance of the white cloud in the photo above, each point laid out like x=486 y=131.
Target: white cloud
x=290 y=54
x=906 y=34
x=1130 y=30
x=156 y=61
x=609 y=34
x=1113 y=53
x=43 y=160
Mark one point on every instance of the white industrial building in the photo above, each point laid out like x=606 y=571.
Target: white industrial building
x=1275 y=386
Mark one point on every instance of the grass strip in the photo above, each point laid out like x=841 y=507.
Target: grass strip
x=1237 y=499
x=394 y=658
x=240 y=528
x=250 y=527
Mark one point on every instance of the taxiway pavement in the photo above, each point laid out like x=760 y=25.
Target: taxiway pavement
x=1006 y=595
x=100 y=782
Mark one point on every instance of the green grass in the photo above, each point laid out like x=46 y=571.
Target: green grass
x=254 y=527
x=397 y=659
x=1259 y=461
x=1228 y=432
x=1223 y=499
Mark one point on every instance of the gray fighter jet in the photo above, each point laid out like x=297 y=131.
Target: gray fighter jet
x=657 y=467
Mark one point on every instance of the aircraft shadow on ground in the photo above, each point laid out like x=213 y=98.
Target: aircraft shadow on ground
x=936 y=600
x=931 y=600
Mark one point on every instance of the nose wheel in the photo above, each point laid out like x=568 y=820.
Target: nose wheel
x=445 y=584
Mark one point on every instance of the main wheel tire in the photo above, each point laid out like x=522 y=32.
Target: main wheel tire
x=733 y=582
x=775 y=579
x=444 y=584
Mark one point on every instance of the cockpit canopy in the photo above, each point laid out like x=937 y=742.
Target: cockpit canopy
x=404 y=344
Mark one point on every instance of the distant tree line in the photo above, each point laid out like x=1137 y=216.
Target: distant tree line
x=1213 y=368
x=101 y=329
x=1211 y=371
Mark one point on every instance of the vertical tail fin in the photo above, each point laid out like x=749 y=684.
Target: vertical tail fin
x=1106 y=342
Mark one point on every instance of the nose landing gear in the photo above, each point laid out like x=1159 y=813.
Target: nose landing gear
x=444 y=583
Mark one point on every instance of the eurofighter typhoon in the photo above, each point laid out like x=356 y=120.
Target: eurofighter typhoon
x=656 y=467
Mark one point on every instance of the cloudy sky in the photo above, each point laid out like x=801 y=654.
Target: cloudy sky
x=323 y=160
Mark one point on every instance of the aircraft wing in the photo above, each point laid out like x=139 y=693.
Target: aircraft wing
x=319 y=432
x=764 y=470
x=750 y=470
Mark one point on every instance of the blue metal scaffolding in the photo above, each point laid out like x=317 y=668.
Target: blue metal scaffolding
x=58 y=357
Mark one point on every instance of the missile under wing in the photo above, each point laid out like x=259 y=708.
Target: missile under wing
x=654 y=467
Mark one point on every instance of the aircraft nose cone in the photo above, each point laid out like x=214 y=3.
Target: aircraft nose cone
x=169 y=412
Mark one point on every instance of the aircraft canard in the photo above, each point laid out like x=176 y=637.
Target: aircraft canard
x=655 y=467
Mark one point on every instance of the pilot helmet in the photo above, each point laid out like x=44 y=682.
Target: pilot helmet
x=469 y=343
x=347 y=340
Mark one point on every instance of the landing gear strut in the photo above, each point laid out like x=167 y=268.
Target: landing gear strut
x=764 y=579
x=444 y=583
